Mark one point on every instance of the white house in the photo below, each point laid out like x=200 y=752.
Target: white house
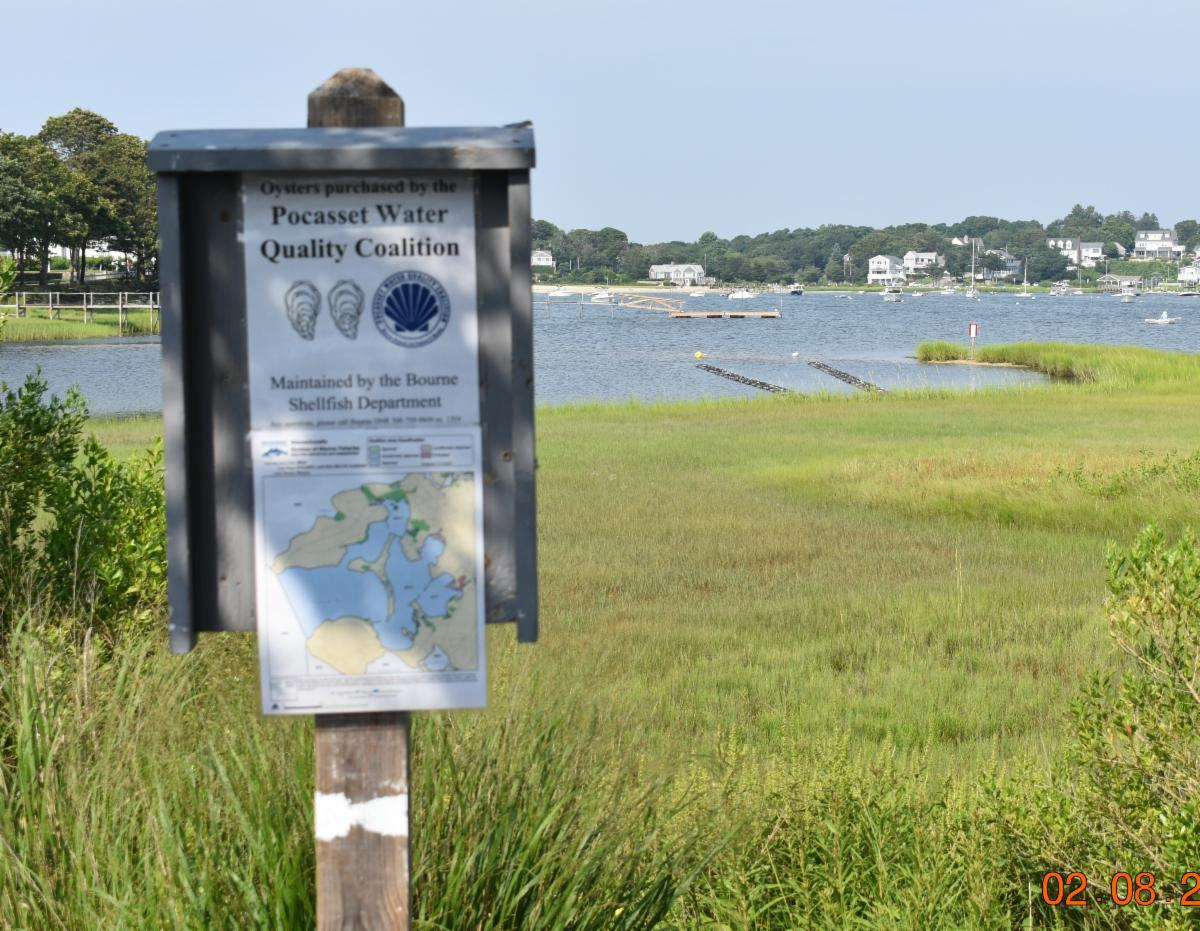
x=921 y=262
x=1156 y=244
x=541 y=258
x=966 y=241
x=885 y=270
x=1091 y=254
x=1190 y=274
x=677 y=274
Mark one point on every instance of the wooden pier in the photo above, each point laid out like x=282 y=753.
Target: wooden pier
x=83 y=305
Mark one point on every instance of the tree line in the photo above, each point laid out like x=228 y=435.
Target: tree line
x=77 y=181
x=837 y=253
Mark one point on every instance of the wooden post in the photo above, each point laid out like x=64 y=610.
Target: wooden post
x=361 y=804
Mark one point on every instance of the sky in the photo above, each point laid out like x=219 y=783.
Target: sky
x=667 y=119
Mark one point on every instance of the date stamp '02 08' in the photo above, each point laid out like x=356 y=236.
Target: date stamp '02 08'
x=1140 y=889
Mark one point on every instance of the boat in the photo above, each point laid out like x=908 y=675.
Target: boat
x=971 y=293
x=560 y=292
x=604 y=296
x=740 y=294
x=891 y=294
x=1127 y=298
x=1025 y=284
x=700 y=293
x=1163 y=318
x=796 y=289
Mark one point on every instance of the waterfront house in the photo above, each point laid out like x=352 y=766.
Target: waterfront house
x=885 y=270
x=1119 y=282
x=1068 y=246
x=677 y=274
x=541 y=258
x=1012 y=265
x=921 y=263
x=1091 y=254
x=966 y=242
x=1156 y=244
x=1190 y=275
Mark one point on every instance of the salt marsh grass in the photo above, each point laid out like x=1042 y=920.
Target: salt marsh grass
x=804 y=663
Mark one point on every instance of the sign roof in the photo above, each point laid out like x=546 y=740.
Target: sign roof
x=424 y=148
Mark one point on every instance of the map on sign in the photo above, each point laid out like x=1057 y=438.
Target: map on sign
x=369 y=586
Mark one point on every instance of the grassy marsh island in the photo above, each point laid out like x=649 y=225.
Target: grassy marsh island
x=38 y=326
x=805 y=662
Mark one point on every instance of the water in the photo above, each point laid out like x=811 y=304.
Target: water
x=116 y=376
x=615 y=354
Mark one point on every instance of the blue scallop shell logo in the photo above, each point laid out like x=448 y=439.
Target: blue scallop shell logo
x=411 y=309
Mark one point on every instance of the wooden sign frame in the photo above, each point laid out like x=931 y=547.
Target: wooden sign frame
x=206 y=420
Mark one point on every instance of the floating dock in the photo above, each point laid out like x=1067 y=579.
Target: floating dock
x=727 y=314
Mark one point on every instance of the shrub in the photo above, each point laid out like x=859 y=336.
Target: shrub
x=39 y=440
x=1128 y=797
x=78 y=530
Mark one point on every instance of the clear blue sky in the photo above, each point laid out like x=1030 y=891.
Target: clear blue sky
x=667 y=119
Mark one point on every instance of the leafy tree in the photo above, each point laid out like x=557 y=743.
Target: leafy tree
x=76 y=132
x=1111 y=251
x=45 y=200
x=1120 y=228
x=1081 y=223
x=991 y=262
x=1188 y=232
x=76 y=138
x=129 y=218
x=1147 y=221
x=1045 y=264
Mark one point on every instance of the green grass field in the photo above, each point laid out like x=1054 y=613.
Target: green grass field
x=923 y=572
x=786 y=646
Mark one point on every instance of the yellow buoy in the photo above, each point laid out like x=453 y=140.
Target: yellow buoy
x=699 y=355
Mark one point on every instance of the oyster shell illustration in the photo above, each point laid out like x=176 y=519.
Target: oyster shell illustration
x=346 y=306
x=411 y=307
x=303 y=302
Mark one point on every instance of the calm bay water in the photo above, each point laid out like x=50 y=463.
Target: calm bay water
x=616 y=354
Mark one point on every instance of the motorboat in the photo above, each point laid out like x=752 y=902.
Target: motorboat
x=561 y=292
x=603 y=296
x=1127 y=298
x=740 y=294
x=699 y=293
x=1163 y=318
x=892 y=294
x=797 y=289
